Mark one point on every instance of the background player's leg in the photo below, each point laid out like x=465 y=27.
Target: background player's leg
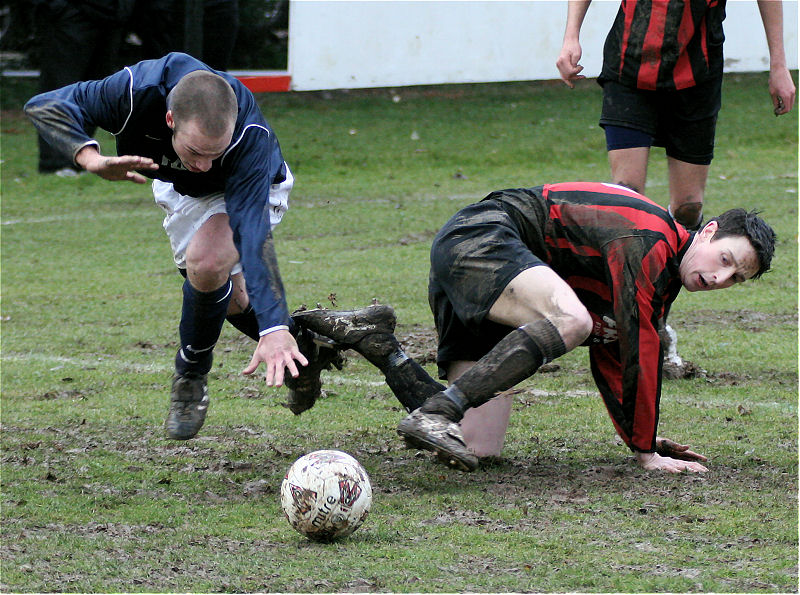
x=629 y=167
x=687 y=185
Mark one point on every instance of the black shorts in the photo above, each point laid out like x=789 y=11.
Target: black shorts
x=683 y=122
x=473 y=257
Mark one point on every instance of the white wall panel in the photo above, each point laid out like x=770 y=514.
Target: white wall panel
x=337 y=44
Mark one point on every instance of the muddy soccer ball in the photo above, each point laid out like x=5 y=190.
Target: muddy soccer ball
x=326 y=494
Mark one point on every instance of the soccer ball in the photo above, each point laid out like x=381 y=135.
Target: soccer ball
x=326 y=494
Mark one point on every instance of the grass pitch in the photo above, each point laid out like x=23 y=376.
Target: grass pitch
x=95 y=499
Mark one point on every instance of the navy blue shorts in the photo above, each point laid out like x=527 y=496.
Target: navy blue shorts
x=473 y=257
x=683 y=122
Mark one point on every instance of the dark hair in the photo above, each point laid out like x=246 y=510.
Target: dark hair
x=206 y=98
x=738 y=222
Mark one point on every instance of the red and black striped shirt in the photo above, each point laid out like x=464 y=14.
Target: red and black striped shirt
x=619 y=251
x=665 y=44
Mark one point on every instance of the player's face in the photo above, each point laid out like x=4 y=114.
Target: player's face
x=195 y=149
x=717 y=264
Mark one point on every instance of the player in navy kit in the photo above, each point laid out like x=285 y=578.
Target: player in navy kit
x=222 y=181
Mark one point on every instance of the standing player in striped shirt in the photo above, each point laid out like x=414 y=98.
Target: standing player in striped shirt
x=526 y=275
x=662 y=81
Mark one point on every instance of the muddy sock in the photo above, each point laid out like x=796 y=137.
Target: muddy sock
x=409 y=381
x=516 y=357
x=201 y=323
x=245 y=322
x=451 y=403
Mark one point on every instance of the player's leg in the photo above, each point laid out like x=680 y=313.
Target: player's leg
x=688 y=127
x=629 y=119
x=629 y=166
x=370 y=332
x=207 y=290
x=203 y=250
x=551 y=300
x=548 y=320
x=687 y=184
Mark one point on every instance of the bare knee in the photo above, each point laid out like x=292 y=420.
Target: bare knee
x=207 y=272
x=574 y=325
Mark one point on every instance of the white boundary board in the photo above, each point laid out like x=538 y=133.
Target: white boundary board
x=341 y=44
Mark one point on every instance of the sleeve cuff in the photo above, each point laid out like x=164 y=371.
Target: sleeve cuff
x=280 y=327
x=81 y=146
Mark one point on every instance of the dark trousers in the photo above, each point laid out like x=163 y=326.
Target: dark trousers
x=71 y=47
x=160 y=25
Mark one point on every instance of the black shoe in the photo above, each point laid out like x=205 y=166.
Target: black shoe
x=188 y=406
x=436 y=433
x=307 y=387
x=348 y=327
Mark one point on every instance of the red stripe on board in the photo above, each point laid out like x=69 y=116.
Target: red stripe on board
x=267 y=83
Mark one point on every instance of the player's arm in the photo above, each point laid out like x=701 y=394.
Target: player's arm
x=628 y=373
x=114 y=168
x=569 y=58
x=781 y=86
x=246 y=200
x=63 y=115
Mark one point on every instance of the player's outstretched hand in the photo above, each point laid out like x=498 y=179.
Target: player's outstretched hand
x=279 y=352
x=114 y=168
x=654 y=461
x=669 y=448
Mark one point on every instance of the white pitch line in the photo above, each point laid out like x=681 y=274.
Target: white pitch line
x=346 y=379
x=77 y=217
x=81 y=216
x=59 y=362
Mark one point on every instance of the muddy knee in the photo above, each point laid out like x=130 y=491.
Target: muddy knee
x=689 y=214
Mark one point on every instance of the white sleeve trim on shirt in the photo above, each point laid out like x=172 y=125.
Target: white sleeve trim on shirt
x=241 y=136
x=280 y=327
x=130 y=94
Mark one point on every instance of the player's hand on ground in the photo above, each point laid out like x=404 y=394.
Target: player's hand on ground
x=669 y=448
x=567 y=63
x=279 y=352
x=114 y=168
x=782 y=90
x=652 y=461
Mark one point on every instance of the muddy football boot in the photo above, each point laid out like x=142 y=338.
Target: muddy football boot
x=188 y=406
x=307 y=387
x=348 y=327
x=436 y=433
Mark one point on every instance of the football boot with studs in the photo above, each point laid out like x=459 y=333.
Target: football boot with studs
x=188 y=406
x=437 y=434
x=322 y=354
x=349 y=328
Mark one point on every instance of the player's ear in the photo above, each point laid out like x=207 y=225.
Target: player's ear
x=709 y=230
x=170 y=120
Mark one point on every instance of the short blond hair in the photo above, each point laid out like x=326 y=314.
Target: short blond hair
x=205 y=98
